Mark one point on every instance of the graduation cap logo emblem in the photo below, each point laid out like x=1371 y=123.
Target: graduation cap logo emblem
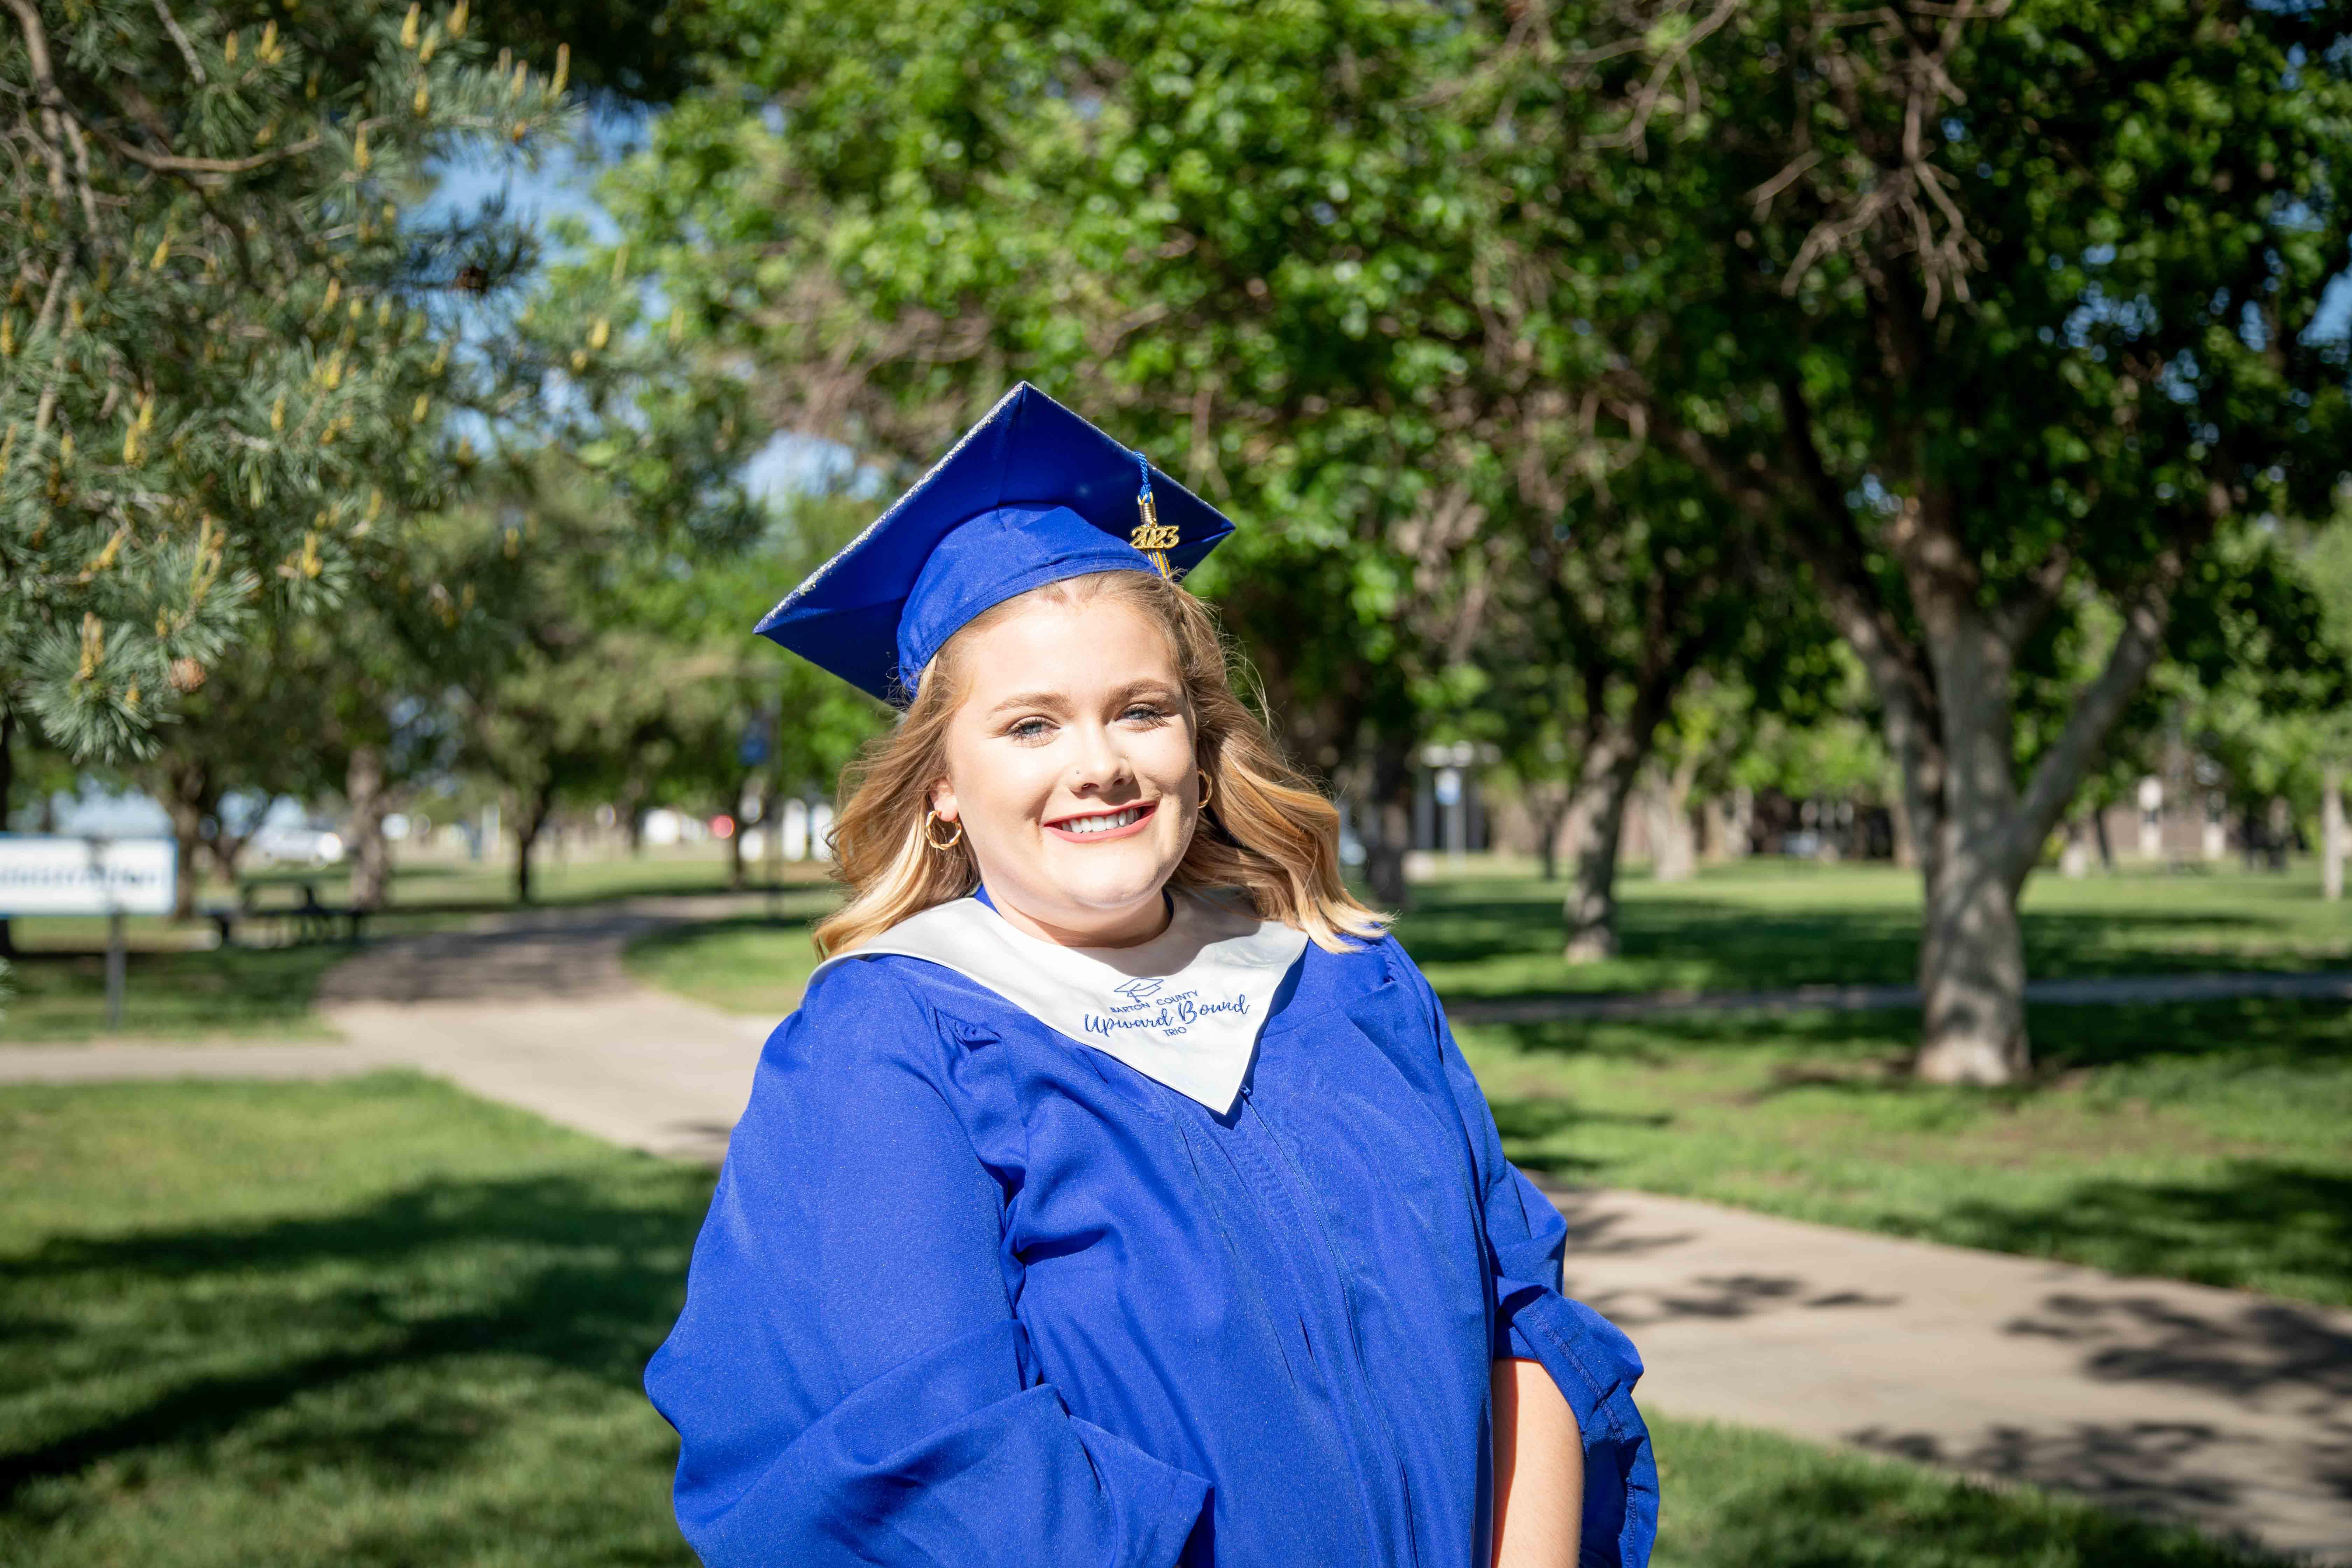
x=1137 y=989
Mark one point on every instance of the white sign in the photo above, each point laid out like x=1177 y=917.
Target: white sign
x=86 y=876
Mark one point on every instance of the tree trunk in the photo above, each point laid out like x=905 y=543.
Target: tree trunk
x=1596 y=823
x=1972 y=951
x=189 y=798
x=1971 y=974
x=1907 y=841
x=2099 y=832
x=530 y=816
x=2331 y=832
x=227 y=849
x=364 y=787
x=1387 y=826
x=1739 y=824
x=1673 y=850
x=1549 y=809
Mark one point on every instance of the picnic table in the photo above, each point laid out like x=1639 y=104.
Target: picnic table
x=310 y=919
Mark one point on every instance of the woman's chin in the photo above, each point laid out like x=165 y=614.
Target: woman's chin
x=1119 y=880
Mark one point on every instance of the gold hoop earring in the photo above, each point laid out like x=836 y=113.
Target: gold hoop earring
x=932 y=817
x=1208 y=789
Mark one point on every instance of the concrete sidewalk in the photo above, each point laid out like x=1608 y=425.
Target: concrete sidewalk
x=2215 y=1407
x=2219 y=1408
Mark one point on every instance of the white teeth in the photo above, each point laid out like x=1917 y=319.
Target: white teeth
x=1101 y=824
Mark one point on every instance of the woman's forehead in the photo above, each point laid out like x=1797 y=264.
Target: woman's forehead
x=1092 y=645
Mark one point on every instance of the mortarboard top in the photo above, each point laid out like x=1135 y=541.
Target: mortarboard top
x=1031 y=495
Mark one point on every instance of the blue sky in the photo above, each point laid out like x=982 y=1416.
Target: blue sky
x=564 y=185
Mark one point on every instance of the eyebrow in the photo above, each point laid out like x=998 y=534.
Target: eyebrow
x=1058 y=701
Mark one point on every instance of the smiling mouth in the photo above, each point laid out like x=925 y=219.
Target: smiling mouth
x=1095 y=826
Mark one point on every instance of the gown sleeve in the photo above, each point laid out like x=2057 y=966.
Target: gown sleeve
x=1591 y=1360
x=847 y=1379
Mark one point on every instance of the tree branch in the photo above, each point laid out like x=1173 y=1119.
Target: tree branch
x=45 y=93
x=172 y=163
x=2059 y=770
x=187 y=50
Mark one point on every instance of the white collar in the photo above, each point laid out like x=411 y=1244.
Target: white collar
x=1183 y=1008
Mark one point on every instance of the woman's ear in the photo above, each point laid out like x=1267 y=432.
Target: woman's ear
x=943 y=801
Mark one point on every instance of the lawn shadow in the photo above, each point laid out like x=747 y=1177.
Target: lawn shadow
x=1869 y=1052
x=2260 y=1224
x=261 y=1329
x=1842 y=1037
x=62 y=995
x=687 y=935
x=2250 y=1032
x=1529 y=1123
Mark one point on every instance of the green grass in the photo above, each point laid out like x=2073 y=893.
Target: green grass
x=1739 y=1499
x=232 y=992
x=2203 y=1142
x=750 y=964
x=2199 y=1142
x=1764 y=925
x=378 y=1323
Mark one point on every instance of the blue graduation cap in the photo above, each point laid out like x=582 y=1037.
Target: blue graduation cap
x=1031 y=495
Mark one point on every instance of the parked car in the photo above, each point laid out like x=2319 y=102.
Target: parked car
x=297 y=844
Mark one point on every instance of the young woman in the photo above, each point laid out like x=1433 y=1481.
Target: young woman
x=1118 y=1196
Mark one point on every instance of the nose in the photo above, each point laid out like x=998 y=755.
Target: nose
x=1099 y=767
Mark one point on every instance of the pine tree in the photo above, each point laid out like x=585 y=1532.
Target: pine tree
x=225 y=362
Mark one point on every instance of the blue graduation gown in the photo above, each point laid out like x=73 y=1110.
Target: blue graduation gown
x=973 y=1294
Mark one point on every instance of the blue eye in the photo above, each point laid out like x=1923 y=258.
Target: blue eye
x=1030 y=730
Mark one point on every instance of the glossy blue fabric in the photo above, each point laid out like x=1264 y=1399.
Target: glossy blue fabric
x=975 y=1295
x=1031 y=494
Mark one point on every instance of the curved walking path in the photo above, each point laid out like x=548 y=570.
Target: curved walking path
x=2216 y=1408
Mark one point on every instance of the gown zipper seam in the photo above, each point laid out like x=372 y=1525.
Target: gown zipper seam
x=1314 y=1207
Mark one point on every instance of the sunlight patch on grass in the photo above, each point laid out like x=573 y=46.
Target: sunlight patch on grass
x=750 y=964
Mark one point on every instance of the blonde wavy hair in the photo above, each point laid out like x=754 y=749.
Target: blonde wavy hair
x=1266 y=835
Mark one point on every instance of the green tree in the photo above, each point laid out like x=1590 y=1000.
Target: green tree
x=1263 y=244
x=221 y=349
x=246 y=732
x=749 y=726
x=1998 y=314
